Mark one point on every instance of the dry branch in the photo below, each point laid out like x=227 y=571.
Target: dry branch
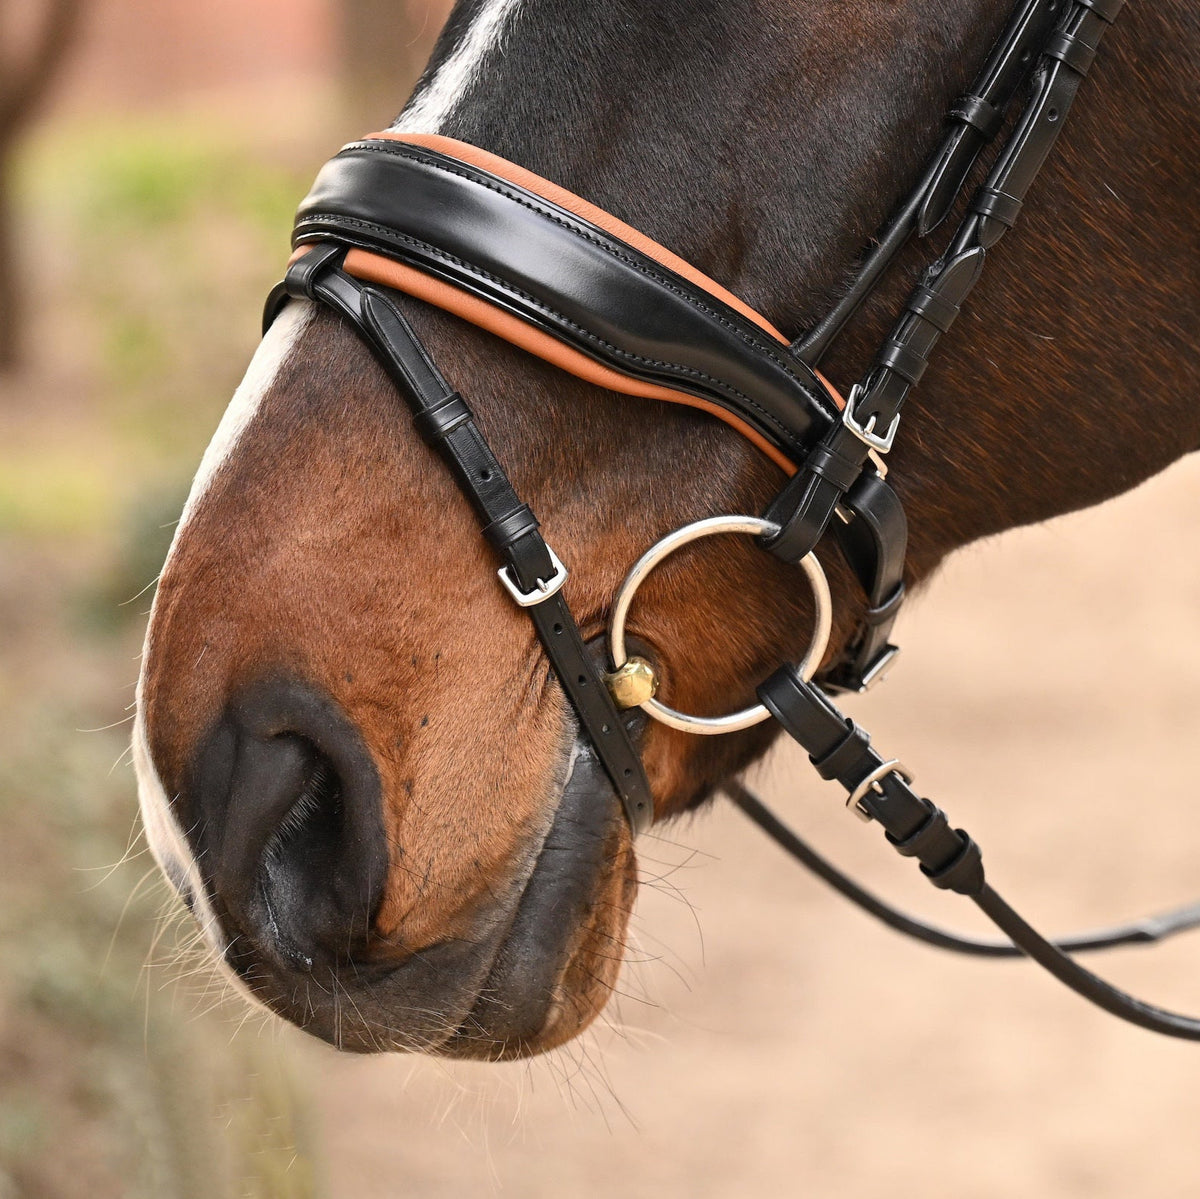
x=25 y=78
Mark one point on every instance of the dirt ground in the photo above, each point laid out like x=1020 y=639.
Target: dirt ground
x=773 y=1041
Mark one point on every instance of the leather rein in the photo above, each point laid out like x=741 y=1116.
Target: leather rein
x=516 y=254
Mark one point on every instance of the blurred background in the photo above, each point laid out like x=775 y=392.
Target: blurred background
x=768 y=1040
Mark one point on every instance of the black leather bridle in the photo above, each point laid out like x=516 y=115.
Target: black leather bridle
x=575 y=281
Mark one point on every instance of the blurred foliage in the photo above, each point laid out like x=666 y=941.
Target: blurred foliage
x=53 y=491
x=156 y=242
x=177 y=230
x=140 y=181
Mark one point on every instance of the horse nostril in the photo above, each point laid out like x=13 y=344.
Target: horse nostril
x=299 y=857
x=288 y=826
x=310 y=826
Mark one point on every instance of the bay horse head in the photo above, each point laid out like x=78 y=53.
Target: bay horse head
x=354 y=761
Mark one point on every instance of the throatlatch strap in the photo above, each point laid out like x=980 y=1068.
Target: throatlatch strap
x=444 y=420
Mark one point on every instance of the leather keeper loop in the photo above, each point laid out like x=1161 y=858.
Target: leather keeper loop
x=907 y=363
x=1072 y=52
x=949 y=858
x=1106 y=10
x=841 y=471
x=964 y=874
x=887 y=610
x=997 y=205
x=851 y=757
x=927 y=839
x=979 y=114
x=940 y=312
x=302 y=275
x=502 y=533
x=442 y=418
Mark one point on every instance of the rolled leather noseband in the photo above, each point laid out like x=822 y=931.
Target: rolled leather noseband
x=623 y=303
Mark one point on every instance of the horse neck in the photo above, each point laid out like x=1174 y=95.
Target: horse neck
x=743 y=134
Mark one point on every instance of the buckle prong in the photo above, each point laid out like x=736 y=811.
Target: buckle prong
x=871 y=783
x=881 y=443
x=544 y=589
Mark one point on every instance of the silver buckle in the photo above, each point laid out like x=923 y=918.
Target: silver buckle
x=871 y=782
x=876 y=673
x=545 y=587
x=866 y=433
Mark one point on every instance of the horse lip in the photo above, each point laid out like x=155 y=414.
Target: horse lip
x=518 y=997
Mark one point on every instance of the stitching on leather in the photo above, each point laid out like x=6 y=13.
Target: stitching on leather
x=676 y=367
x=401 y=150
x=533 y=301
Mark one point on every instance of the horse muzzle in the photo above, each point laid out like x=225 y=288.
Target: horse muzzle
x=284 y=857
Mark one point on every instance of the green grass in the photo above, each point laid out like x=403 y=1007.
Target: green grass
x=156 y=242
x=142 y=177
x=54 y=492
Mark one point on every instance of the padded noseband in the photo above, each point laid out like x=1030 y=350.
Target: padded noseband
x=455 y=225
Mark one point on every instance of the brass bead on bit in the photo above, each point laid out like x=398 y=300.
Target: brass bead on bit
x=633 y=683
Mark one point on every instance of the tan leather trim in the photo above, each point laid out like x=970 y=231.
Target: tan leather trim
x=605 y=220
x=588 y=211
x=377 y=269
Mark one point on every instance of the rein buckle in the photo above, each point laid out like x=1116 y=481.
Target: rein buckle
x=871 y=783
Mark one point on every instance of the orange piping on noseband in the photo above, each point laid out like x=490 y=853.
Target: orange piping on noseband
x=376 y=268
